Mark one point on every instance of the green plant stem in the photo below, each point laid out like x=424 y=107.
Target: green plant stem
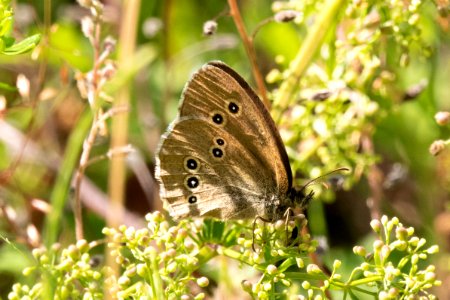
x=61 y=188
x=366 y=280
x=232 y=254
x=238 y=257
x=287 y=263
x=206 y=253
x=305 y=276
x=305 y=54
x=87 y=146
x=338 y=284
x=156 y=282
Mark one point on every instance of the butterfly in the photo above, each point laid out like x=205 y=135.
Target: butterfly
x=223 y=156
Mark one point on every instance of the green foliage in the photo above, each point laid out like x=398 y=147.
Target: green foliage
x=167 y=262
x=29 y=43
x=7 y=45
x=350 y=86
x=71 y=272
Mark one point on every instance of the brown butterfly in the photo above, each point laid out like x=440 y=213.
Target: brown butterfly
x=223 y=156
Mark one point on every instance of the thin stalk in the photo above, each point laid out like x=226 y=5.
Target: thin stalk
x=305 y=54
x=119 y=130
x=166 y=54
x=89 y=141
x=119 y=126
x=87 y=147
x=375 y=180
x=248 y=45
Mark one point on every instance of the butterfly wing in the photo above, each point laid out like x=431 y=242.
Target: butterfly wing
x=213 y=91
x=218 y=103
x=205 y=171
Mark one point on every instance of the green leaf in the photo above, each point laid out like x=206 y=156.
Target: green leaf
x=8 y=40
x=6 y=23
x=7 y=87
x=60 y=192
x=22 y=46
x=14 y=257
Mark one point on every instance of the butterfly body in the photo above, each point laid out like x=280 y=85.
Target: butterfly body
x=223 y=156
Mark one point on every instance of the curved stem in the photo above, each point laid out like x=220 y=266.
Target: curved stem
x=248 y=45
x=305 y=54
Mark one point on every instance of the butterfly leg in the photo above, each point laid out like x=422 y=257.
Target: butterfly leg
x=254 y=227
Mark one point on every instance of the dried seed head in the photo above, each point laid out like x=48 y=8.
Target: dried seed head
x=33 y=235
x=108 y=70
x=437 y=147
x=151 y=27
x=109 y=44
x=87 y=27
x=85 y=3
x=209 y=27
x=442 y=117
x=415 y=90
x=23 y=85
x=2 y=104
x=285 y=16
x=321 y=95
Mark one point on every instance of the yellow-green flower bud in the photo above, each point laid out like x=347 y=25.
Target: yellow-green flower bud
x=376 y=225
x=271 y=269
x=200 y=296
x=313 y=269
x=123 y=281
x=203 y=282
x=246 y=286
x=306 y=285
x=82 y=245
x=433 y=249
x=300 y=262
x=401 y=233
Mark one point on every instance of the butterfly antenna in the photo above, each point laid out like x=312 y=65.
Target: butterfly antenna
x=322 y=176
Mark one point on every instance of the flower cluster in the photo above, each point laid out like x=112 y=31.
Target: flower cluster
x=396 y=260
x=171 y=262
x=391 y=271
x=158 y=261
x=70 y=273
x=349 y=85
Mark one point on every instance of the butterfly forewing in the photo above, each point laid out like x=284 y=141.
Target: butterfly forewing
x=223 y=156
x=218 y=93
